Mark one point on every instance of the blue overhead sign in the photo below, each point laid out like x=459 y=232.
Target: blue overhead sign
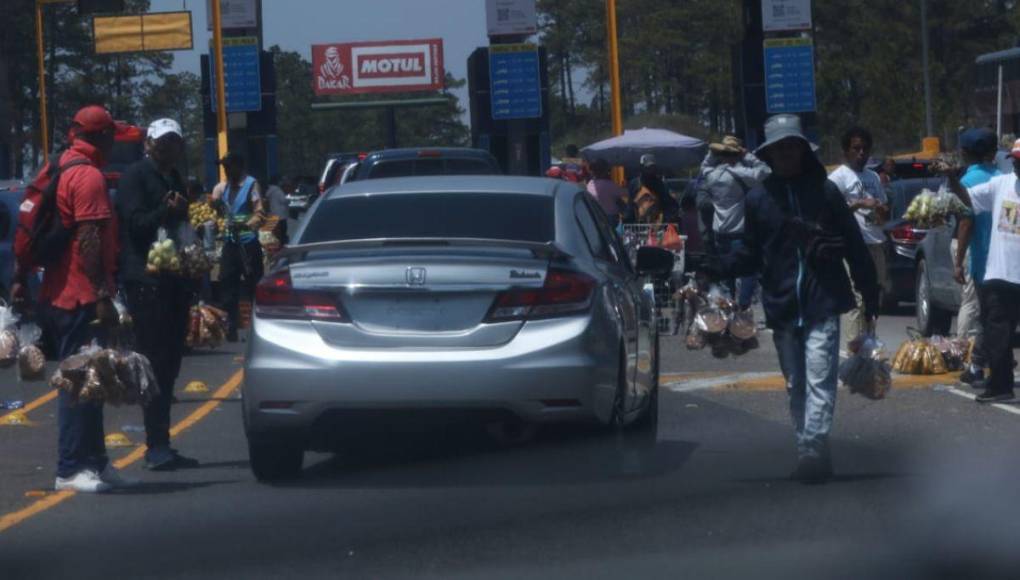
x=789 y=75
x=241 y=63
x=515 y=82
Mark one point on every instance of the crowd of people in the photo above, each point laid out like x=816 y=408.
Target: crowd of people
x=92 y=253
x=814 y=243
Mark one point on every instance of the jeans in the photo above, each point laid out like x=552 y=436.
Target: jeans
x=809 y=358
x=160 y=313
x=81 y=441
x=1003 y=304
x=727 y=246
x=240 y=270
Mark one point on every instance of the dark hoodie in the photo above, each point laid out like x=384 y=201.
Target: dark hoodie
x=798 y=290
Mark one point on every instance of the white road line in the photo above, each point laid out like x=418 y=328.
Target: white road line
x=971 y=396
x=696 y=384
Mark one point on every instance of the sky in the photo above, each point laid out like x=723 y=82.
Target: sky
x=297 y=24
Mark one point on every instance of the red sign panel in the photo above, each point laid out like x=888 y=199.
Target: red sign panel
x=378 y=67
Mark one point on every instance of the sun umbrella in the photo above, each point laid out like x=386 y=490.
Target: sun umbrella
x=671 y=150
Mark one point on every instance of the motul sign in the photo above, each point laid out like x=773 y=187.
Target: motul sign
x=377 y=67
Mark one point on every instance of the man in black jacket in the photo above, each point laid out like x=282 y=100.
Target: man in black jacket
x=151 y=196
x=799 y=232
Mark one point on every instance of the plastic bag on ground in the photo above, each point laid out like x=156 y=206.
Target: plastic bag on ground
x=8 y=337
x=867 y=372
x=31 y=360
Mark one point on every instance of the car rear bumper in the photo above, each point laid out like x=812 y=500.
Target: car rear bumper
x=553 y=370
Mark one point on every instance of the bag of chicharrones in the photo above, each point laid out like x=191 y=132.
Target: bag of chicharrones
x=8 y=337
x=111 y=376
x=867 y=371
x=31 y=359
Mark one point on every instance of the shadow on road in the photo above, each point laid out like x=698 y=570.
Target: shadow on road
x=165 y=487
x=560 y=455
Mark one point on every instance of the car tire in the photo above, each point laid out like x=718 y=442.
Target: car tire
x=274 y=459
x=648 y=422
x=931 y=320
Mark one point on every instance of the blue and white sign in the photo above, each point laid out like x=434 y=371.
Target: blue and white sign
x=789 y=75
x=515 y=82
x=244 y=83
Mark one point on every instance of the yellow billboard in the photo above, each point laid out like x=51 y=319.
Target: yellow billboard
x=142 y=32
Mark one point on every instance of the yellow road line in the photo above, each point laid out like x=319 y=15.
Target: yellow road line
x=49 y=396
x=14 y=518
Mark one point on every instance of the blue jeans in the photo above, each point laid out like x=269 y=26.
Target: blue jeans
x=81 y=441
x=809 y=358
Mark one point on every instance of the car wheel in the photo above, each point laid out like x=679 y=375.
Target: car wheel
x=931 y=320
x=274 y=459
x=648 y=422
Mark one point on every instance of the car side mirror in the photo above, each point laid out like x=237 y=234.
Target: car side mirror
x=656 y=262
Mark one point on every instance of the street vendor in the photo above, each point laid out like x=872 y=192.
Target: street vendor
x=239 y=198
x=153 y=195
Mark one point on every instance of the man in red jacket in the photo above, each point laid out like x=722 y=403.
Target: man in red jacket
x=75 y=299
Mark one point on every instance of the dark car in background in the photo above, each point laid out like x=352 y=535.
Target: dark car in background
x=903 y=240
x=415 y=162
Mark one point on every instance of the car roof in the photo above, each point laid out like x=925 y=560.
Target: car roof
x=454 y=184
x=413 y=153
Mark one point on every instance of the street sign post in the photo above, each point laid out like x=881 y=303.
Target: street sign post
x=243 y=77
x=515 y=82
x=789 y=75
x=785 y=15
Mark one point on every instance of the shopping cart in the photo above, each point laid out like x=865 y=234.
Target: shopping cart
x=668 y=310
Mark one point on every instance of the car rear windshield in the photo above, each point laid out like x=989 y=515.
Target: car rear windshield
x=430 y=166
x=433 y=215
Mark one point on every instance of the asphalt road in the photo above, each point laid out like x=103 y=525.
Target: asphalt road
x=925 y=487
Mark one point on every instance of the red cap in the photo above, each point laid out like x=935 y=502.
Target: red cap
x=92 y=119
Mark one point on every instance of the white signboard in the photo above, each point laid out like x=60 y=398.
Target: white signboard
x=510 y=17
x=235 y=13
x=780 y=15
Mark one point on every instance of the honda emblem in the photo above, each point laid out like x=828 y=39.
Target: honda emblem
x=416 y=276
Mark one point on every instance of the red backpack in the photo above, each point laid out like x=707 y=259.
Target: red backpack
x=41 y=238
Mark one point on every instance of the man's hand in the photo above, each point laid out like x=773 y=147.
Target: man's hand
x=106 y=313
x=959 y=275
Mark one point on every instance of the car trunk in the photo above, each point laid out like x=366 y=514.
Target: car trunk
x=419 y=297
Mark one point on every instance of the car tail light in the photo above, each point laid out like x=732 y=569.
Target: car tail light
x=563 y=293
x=430 y=153
x=906 y=234
x=322 y=188
x=276 y=297
x=918 y=166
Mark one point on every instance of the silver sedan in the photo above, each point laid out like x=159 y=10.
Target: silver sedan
x=507 y=299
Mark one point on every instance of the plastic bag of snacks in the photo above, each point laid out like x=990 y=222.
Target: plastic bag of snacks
x=931 y=209
x=742 y=326
x=867 y=371
x=195 y=263
x=207 y=326
x=8 y=337
x=102 y=374
x=955 y=351
x=31 y=360
x=918 y=356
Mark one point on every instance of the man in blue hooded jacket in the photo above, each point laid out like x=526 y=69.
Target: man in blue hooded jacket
x=799 y=231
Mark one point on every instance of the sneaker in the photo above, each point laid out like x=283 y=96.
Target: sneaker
x=160 y=459
x=812 y=470
x=85 y=481
x=969 y=377
x=990 y=396
x=117 y=480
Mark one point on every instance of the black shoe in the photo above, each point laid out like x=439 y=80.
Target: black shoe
x=990 y=396
x=812 y=471
x=968 y=377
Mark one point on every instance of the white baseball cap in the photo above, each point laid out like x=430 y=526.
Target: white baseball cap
x=161 y=127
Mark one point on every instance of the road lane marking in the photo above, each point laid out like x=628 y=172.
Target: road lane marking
x=14 y=518
x=771 y=381
x=972 y=397
x=49 y=396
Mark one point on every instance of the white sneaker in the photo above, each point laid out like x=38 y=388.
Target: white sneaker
x=116 y=479
x=85 y=481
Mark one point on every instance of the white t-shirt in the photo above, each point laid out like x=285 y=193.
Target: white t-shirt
x=856 y=186
x=1001 y=197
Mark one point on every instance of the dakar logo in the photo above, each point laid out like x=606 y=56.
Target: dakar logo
x=331 y=72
